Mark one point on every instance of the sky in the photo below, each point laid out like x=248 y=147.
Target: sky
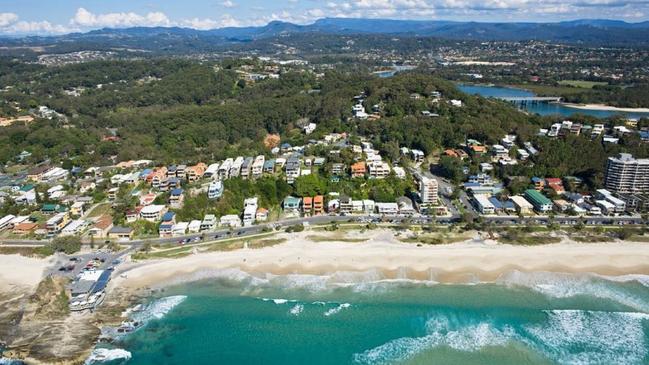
x=20 y=17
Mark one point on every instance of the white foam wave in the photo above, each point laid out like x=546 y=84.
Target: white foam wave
x=600 y=337
x=297 y=309
x=471 y=337
x=279 y=300
x=5 y=361
x=570 y=337
x=159 y=308
x=337 y=309
x=252 y=283
x=104 y=355
x=641 y=279
x=558 y=285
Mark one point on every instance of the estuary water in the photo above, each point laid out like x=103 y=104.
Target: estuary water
x=541 y=108
x=358 y=318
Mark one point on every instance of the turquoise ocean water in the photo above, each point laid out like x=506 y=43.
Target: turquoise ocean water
x=358 y=318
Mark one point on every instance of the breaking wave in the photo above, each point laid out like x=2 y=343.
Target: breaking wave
x=570 y=337
x=157 y=309
x=441 y=331
x=601 y=337
x=104 y=355
x=337 y=309
x=297 y=309
x=558 y=285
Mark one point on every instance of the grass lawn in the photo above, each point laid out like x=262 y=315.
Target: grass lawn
x=639 y=238
x=335 y=237
x=100 y=210
x=441 y=238
x=23 y=251
x=582 y=84
x=528 y=240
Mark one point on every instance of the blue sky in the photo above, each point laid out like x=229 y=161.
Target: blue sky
x=63 y=16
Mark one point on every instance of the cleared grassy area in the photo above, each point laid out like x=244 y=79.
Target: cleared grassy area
x=167 y=252
x=528 y=240
x=592 y=239
x=337 y=238
x=100 y=210
x=639 y=238
x=163 y=254
x=22 y=251
x=437 y=238
x=582 y=84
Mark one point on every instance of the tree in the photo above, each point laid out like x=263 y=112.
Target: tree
x=67 y=244
x=310 y=185
x=451 y=168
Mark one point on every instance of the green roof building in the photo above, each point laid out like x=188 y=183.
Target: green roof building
x=538 y=200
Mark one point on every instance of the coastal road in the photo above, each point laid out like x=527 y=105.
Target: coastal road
x=501 y=220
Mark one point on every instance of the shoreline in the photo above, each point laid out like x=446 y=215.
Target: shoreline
x=604 y=107
x=342 y=258
x=468 y=262
x=593 y=107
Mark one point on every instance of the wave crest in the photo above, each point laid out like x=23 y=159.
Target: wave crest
x=104 y=355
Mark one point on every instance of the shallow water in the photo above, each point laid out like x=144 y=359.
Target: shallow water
x=352 y=318
x=541 y=108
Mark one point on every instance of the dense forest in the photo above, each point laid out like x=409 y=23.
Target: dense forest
x=184 y=112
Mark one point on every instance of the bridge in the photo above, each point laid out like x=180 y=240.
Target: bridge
x=531 y=99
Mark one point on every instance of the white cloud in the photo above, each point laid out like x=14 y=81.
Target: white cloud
x=42 y=27
x=6 y=19
x=10 y=23
x=307 y=11
x=84 y=18
x=207 y=23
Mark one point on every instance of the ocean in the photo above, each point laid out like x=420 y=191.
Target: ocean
x=230 y=317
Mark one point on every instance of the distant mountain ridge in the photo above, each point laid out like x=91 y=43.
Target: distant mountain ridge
x=585 y=31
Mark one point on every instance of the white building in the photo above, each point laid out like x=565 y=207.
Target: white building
x=387 y=208
x=224 y=169
x=194 y=226
x=74 y=228
x=250 y=206
x=215 y=190
x=153 y=213
x=483 y=204
x=309 y=128
x=522 y=205
x=212 y=171
x=179 y=229
x=231 y=220
x=429 y=191
x=258 y=166
x=378 y=169
x=209 y=222
x=6 y=220
x=399 y=172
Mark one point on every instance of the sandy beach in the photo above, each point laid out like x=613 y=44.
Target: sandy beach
x=21 y=272
x=470 y=261
x=603 y=107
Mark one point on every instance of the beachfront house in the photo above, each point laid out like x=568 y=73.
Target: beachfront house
x=539 y=201
x=231 y=220
x=120 y=234
x=209 y=222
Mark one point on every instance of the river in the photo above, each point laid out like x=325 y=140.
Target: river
x=542 y=108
